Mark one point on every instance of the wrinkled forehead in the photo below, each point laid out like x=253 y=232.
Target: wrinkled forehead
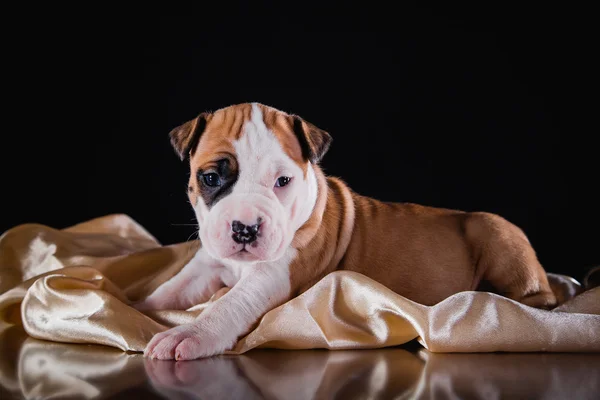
x=248 y=131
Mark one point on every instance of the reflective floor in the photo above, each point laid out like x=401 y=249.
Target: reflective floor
x=36 y=369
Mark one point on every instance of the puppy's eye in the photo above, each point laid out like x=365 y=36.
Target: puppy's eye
x=282 y=181
x=211 y=179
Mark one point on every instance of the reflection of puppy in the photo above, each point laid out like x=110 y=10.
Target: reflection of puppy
x=215 y=378
x=264 y=374
x=272 y=225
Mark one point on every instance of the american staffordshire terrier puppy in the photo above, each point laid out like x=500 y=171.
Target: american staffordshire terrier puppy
x=271 y=225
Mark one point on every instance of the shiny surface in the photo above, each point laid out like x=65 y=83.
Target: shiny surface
x=31 y=368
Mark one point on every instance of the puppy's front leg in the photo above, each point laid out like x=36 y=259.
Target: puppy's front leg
x=194 y=284
x=261 y=288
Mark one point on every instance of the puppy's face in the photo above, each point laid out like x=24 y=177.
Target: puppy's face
x=252 y=183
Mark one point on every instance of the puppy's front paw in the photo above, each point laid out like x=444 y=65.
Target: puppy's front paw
x=186 y=342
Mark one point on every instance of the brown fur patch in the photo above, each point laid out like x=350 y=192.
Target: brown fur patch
x=324 y=238
x=423 y=253
x=281 y=124
x=211 y=135
x=225 y=126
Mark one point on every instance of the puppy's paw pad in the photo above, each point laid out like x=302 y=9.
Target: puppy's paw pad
x=190 y=349
x=163 y=345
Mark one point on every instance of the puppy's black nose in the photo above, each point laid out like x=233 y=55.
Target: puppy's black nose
x=244 y=233
x=237 y=226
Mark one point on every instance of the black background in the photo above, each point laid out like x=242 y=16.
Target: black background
x=470 y=108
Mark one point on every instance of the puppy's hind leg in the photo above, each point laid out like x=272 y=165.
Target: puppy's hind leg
x=507 y=261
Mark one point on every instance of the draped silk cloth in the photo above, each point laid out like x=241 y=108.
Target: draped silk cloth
x=76 y=285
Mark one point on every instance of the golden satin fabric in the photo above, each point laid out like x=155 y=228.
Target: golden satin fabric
x=75 y=286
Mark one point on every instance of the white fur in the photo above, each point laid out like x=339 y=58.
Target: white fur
x=283 y=210
x=194 y=284
x=258 y=284
x=260 y=288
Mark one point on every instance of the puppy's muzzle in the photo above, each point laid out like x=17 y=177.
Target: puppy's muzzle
x=245 y=233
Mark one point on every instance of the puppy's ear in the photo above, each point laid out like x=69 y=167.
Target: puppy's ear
x=314 y=142
x=185 y=138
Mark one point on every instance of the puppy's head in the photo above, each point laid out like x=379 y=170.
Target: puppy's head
x=252 y=182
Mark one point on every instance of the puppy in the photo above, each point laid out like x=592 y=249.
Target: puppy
x=271 y=225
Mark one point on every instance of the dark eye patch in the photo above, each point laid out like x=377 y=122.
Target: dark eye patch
x=226 y=169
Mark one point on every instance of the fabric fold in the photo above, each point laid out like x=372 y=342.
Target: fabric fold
x=76 y=285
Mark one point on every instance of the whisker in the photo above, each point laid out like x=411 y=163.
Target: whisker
x=193 y=233
x=196 y=232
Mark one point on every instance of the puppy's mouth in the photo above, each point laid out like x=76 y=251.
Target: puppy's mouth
x=243 y=254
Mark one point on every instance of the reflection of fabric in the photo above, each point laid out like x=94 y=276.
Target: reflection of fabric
x=510 y=375
x=47 y=370
x=93 y=270
x=31 y=368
